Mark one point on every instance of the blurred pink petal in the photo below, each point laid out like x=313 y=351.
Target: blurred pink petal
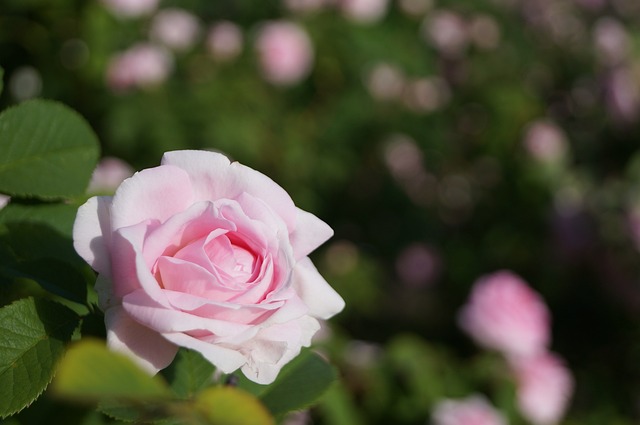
x=544 y=388
x=142 y=65
x=108 y=175
x=285 y=52
x=503 y=313
x=363 y=11
x=130 y=8
x=473 y=410
x=175 y=28
x=224 y=41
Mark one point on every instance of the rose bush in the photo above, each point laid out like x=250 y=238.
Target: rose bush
x=209 y=255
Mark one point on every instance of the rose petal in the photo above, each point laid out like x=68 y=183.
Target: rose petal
x=322 y=299
x=225 y=359
x=310 y=233
x=147 y=348
x=152 y=194
x=214 y=177
x=161 y=319
x=190 y=278
x=198 y=221
x=91 y=232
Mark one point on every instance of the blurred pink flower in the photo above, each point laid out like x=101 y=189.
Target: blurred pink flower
x=224 y=41
x=363 y=11
x=544 y=388
x=108 y=175
x=140 y=66
x=545 y=141
x=611 y=41
x=130 y=8
x=385 y=81
x=446 y=31
x=622 y=92
x=473 y=410
x=505 y=314
x=285 y=52
x=175 y=28
x=4 y=200
x=418 y=265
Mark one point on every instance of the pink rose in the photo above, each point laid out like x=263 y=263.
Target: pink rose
x=544 y=387
x=474 y=410
x=209 y=255
x=285 y=52
x=505 y=314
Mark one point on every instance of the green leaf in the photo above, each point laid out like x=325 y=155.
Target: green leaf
x=299 y=384
x=231 y=406
x=55 y=276
x=59 y=217
x=90 y=372
x=47 y=150
x=32 y=338
x=189 y=373
x=1 y=80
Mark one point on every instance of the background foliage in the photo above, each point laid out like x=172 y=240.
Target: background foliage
x=466 y=197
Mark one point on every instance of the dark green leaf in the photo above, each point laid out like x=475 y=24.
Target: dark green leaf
x=299 y=384
x=59 y=217
x=189 y=373
x=32 y=338
x=46 y=150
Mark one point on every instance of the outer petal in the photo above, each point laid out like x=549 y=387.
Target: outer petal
x=92 y=233
x=225 y=359
x=323 y=301
x=310 y=233
x=214 y=177
x=146 y=347
x=152 y=194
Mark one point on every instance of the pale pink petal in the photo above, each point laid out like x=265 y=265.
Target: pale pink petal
x=152 y=194
x=91 y=232
x=197 y=221
x=225 y=359
x=310 y=233
x=190 y=278
x=322 y=299
x=144 y=346
x=213 y=177
x=130 y=270
x=157 y=317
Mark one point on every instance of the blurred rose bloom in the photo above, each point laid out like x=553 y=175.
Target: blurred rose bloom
x=108 y=175
x=224 y=41
x=4 y=200
x=611 y=41
x=140 y=66
x=474 y=410
x=446 y=31
x=546 y=141
x=363 y=11
x=544 y=388
x=175 y=28
x=130 y=8
x=505 y=314
x=385 y=81
x=285 y=52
